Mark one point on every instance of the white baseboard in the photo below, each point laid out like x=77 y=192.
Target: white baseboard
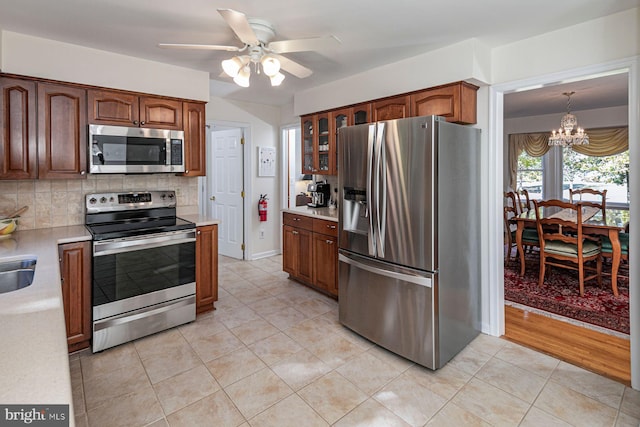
x=264 y=255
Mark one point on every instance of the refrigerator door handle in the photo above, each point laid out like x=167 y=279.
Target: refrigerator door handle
x=415 y=279
x=370 y=146
x=381 y=189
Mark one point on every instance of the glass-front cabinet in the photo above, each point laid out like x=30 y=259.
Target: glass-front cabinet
x=340 y=119
x=318 y=145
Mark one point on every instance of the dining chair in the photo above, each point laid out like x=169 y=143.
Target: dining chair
x=566 y=250
x=523 y=200
x=529 y=235
x=607 y=250
x=575 y=196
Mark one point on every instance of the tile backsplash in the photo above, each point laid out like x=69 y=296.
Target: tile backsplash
x=59 y=202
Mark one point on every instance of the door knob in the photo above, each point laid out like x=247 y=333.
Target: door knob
x=212 y=198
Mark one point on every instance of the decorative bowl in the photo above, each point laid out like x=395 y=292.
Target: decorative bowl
x=8 y=226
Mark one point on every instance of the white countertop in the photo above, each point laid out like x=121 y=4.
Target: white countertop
x=330 y=214
x=200 y=220
x=34 y=360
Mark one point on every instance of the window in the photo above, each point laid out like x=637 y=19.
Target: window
x=609 y=173
x=529 y=175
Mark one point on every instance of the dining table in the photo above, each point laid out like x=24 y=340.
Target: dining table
x=609 y=224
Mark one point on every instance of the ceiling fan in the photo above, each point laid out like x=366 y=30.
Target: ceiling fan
x=260 y=49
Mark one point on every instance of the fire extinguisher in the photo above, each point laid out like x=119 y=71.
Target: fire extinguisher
x=262 y=207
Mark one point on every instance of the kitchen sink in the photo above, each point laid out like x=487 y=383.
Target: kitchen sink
x=16 y=274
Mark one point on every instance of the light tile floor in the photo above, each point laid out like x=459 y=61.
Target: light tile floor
x=274 y=354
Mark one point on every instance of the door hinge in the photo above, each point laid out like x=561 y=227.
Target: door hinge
x=242 y=194
x=242 y=246
x=242 y=141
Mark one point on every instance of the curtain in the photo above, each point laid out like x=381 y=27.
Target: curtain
x=602 y=142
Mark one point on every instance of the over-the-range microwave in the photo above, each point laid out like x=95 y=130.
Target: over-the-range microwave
x=120 y=149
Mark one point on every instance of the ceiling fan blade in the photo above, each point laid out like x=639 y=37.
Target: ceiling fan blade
x=240 y=25
x=300 y=45
x=293 y=67
x=199 y=46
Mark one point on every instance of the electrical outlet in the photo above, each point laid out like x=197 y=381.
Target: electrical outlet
x=261 y=235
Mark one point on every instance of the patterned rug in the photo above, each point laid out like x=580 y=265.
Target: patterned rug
x=561 y=295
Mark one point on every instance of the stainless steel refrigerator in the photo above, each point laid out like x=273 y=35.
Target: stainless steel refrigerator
x=409 y=223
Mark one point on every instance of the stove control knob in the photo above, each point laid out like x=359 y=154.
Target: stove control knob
x=111 y=199
x=171 y=195
x=163 y=196
x=103 y=200
x=92 y=200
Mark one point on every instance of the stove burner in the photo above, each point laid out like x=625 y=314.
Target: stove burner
x=113 y=215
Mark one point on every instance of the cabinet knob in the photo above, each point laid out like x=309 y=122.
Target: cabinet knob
x=142 y=123
x=198 y=232
x=187 y=171
x=329 y=242
x=82 y=172
x=294 y=232
x=135 y=122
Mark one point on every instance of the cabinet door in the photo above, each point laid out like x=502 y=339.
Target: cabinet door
x=113 y=108
x=456 y=102
x=361 y=113
x=75 y=271
x=392 y=108
x=18 y=152
x=325 y=260
x=309 y=152
x=305 y=255
x=289 y=250
x=206 y=267
x=195 y=139
x=326 y=161
x=160 y=113
x=62 y=131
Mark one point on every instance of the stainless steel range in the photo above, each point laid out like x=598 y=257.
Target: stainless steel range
x=143 y=265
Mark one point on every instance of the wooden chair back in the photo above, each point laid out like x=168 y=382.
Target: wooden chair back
x=523 y=200
x=562 y=242
x=575 y=196
x=512 y=200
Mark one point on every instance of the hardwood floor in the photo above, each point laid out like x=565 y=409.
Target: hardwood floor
x=598 y=352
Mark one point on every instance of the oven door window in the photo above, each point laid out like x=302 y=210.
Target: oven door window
x=128 y=274
x=128 y=150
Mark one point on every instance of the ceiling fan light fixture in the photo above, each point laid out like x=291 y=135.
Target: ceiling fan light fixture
x=276 y=79
x=232 y=66
x=242 y=78
x=270 y=65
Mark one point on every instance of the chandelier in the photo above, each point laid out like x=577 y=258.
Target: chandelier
x=565 y=136
x=239 y=67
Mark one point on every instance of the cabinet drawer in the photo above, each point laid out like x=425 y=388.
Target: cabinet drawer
x=325 y=227
x=299 y=221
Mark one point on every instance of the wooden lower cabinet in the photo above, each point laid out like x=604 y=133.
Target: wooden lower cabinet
x=75 y=272
x=206 y=267
x=310 y=251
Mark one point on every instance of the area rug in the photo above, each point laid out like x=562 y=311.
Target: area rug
x=560 y=294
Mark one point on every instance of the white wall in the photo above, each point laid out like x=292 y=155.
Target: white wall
x=264 y=122
x=38 y=57
x=468 y=60
x=598 y=41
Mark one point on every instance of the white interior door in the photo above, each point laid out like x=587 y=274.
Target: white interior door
x=226 y=187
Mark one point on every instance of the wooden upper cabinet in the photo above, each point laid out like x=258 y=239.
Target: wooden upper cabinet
x=361 y=114
x=18 y=150
x=160 y=113
x=113 y=108
x=456 y=102
x=117 y=108
x=62 y=131
x=195 y=139
x=397 y=107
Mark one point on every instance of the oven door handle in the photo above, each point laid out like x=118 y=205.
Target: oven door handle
x=109 y=247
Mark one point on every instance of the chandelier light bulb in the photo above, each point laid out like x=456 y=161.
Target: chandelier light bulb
x=270 y=65
x=276 y=79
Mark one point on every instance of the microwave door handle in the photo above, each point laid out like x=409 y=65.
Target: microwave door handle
x=368 y=210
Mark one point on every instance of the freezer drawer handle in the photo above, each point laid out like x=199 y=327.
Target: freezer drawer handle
x=418 y=280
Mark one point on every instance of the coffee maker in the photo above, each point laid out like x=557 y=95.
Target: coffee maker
x=320 y=194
